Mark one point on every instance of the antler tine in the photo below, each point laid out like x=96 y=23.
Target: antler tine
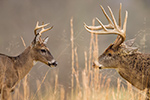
x=120 y=40
x=36 y=28
x=44 y=30
x=125 y=22
x=120 y=15
x=91 y=30
x=103 y=27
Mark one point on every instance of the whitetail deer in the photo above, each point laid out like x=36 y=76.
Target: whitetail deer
x=131 y=64
x=13 y=69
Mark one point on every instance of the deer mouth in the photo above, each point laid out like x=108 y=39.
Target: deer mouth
x=52 y=63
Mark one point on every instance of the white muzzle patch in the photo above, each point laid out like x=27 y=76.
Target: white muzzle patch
x=96 y=64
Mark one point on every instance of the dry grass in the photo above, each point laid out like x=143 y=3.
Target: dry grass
x=87 y=84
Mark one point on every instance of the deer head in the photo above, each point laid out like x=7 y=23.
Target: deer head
x=40 y=51
x=113 y=54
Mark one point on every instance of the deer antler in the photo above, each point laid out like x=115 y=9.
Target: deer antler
x=42 y=26
x=111 y=28
x=42 y=30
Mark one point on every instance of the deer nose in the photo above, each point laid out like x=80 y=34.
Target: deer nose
x=97 y=65
x=94 y=65
x=53 y=63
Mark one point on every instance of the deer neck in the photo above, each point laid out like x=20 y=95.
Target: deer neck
x=126 y=63
x=131 y=70
x=24 y=62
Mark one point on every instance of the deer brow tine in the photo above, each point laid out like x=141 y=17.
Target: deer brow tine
x=103 y=31
x=92 y=27
x=109 y=26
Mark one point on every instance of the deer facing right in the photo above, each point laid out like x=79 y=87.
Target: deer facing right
x=13 y=69
x=131 y=64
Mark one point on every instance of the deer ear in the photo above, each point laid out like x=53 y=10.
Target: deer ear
x=131 y=50
x=130 y=42
x=45 y=40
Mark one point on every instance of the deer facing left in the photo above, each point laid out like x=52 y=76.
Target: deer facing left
x=13 y=69
x=130 y=63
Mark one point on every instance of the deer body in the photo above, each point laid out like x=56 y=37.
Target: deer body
x=13 y=69
x=131 y=64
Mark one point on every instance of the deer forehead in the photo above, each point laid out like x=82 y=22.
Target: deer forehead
x=116 y=50
x=41 y=46
x=109 y=50
x=46 y=48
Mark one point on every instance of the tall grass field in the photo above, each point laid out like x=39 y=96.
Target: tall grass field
x=86 y=84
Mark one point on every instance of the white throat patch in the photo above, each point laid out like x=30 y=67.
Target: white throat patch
x=52 y=61
x=34 y=62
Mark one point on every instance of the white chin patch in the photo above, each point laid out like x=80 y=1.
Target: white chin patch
x=34 y=62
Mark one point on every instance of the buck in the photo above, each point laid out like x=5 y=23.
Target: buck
x=13 y=69
x=131 y=64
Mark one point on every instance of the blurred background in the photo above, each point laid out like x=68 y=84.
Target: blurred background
x=18 y=19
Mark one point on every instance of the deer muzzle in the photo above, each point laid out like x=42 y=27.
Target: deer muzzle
x=52 y=63
x=96 y=64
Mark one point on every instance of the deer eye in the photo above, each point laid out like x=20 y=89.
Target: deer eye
x=109 y=54
x=43 y=50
